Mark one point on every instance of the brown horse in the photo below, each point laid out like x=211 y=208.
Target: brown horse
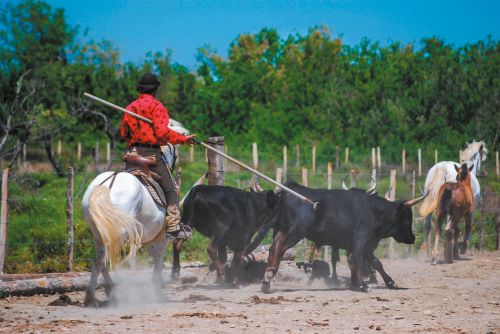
x=457 y=201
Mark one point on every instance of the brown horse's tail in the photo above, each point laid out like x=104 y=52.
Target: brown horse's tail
x=430 y=202
x=444 y=201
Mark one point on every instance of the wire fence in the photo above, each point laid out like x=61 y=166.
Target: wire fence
x=408 y=185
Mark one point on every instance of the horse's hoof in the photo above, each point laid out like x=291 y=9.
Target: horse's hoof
x=94 y=302
x=266 y=287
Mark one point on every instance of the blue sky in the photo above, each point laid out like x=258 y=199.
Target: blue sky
x=137 y=27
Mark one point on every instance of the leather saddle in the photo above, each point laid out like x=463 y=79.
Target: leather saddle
x=139 y=166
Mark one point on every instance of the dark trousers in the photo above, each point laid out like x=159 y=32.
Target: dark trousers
x=167 y=182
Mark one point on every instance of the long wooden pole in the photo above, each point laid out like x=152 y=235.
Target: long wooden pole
x=208 y=147
x=69 y=218
x=3 y=217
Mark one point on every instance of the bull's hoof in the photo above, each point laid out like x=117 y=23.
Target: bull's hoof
x=266 y=287
x=462 y=248
x=433 y=262
x=391 y=284
x=364 y=288
x=334 y=282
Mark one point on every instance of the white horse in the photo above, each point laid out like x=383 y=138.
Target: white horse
x=124 y=216
x=444 y=171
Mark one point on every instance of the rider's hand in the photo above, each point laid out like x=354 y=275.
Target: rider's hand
x=191 y=139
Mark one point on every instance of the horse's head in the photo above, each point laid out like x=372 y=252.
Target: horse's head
x=463 y=173
x=170 y=150
x=474 y=154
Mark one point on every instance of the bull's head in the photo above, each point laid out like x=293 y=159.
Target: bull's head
x=404 y=232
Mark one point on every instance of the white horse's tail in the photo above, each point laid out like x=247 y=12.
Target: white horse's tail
x=116 y=229
x=430 y=202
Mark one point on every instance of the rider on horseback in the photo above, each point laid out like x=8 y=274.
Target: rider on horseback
x=144 y=139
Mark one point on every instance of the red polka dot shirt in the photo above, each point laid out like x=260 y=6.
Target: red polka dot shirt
x=136 y=131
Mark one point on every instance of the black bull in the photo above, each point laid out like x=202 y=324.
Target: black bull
x=351 y=220
x=229 y=217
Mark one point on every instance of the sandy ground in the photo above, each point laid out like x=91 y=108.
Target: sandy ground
x=463 y=297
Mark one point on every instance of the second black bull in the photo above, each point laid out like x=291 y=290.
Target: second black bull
x=351 y=220
x=229 y=217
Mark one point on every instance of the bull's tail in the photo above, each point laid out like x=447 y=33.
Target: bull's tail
x=430 y=202
x=444 y=201
x=110 y=226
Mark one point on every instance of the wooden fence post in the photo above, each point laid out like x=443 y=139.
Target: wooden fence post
x=460 y=156
x=329 y=175
x=96 y=157
x=392 y=198
x=279 y=174
x=255 y=156
x=59 y=148
x=337 y=162
x=191 y=153
x=374 y=158
x=419 y=162
x=435 y=156
x=108 y=153
x=24 y=156
x=412 y=195
x=215 y=162
x=305 y=183
x=374 y=175
x=498 y=165
x=4 y=217
x=285 y=162
x=329 y=182
x=379 y=159
x=353 y=179
x=178 y=180
x=347 y=155
x=314 y=159
x=484 y=174
x=297 y=155
x=78 y=151
x=403 y=164
x=69 y=219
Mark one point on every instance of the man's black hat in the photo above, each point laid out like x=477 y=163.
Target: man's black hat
x=147 y=83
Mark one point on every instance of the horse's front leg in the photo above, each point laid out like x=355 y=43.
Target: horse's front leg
x=97 y=268
x=157 y=251
x=108 y=282
x=468 y=226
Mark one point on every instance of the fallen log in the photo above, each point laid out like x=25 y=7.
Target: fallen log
x=44 y=285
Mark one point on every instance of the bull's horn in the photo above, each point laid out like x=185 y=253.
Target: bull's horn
x=343 y=183
x=412 y=202
x=387 y=195
x=373 y=187
x=255 y=184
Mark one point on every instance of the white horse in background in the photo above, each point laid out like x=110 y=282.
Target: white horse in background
x=444 y=171
x=123 y=216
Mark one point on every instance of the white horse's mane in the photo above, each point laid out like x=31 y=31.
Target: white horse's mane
x=177 y=127
x=471 y=149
